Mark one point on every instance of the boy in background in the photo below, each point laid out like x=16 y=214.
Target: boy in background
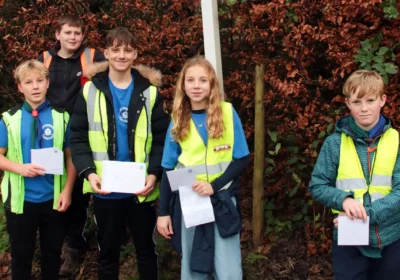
x=66 y=63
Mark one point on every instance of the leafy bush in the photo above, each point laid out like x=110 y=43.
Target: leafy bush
x=308 y=48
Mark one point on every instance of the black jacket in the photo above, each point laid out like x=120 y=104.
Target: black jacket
x=65 y=77
x=79 y=140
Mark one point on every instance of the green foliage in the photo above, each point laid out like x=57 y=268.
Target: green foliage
x=390 y=9
x=4 y=243
x=126 y=250
x=373 y=56
x=253 y=257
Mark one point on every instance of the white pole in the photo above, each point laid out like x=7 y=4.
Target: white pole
x=212 y=45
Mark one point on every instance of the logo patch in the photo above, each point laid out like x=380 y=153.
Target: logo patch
x=123 y=114
x=223 y=147
x=48 y=131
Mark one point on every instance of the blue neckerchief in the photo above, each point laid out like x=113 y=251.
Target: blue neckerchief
x=36 y=129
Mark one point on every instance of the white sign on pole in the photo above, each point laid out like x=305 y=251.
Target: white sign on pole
x=212 y=45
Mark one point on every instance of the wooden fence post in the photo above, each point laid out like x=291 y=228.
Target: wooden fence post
x=259 y=157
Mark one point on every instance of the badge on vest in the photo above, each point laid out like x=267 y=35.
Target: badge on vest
x=223 y=147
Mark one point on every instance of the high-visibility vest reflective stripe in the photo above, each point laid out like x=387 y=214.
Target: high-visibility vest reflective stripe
x=209 y=162
x=13 y=185
x=87 y=57
x=98 y=130
x=350 y=174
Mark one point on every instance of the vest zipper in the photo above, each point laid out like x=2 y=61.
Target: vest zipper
x=377 y=235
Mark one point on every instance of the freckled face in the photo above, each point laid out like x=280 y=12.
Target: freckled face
x=366 y=110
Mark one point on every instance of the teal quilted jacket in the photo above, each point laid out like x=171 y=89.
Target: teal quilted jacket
x=384 y=213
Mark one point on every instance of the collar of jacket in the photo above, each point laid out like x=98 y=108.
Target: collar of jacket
x=101 y=81
x=77 y=54
x=342 y=125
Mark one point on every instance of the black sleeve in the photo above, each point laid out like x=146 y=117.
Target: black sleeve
x=159 y=125
x=234 y=170
x=98 y=56
x=165 y=193
x=79 y=139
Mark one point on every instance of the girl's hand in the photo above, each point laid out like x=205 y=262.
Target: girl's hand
x=203 y=188
x=64 y=201
x=164 y=226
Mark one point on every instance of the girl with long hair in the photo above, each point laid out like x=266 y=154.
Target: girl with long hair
x=205 y=134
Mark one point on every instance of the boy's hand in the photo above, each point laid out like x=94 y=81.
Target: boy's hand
x=336 y=220
x=203 y=188
x=354 y=209
x=31 y=170
x=64 y=201
x=149 y=187
x=95 y=183
x=164 y=226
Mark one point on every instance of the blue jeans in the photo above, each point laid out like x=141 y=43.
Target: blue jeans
x=227 y=257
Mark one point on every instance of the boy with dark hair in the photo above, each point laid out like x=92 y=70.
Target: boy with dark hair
x=33 y=200
x=120 y=116
x=66 y=63
x=357 y=175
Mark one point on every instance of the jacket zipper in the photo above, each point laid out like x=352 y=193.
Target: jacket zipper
x=64 y=98
x=370 y=150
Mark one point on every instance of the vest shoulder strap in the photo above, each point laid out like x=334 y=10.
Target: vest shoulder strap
x=47 y=57
x=11 y=112
x=87 y=57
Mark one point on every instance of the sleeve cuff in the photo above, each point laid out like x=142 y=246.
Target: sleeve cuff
x=156 y=173
x=87 y=173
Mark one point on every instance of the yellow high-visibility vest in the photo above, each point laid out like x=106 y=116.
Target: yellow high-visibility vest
x=350 y=174
x=98 y=131
x=209 y=161
x=13 y=184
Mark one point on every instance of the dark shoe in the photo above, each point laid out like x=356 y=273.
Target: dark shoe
x=71 y=263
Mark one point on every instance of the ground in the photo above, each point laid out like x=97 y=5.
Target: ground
x=286 y=258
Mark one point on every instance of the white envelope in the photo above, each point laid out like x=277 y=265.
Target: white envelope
x=353 y=232
x=51 y=159
x=123 y=177
x=181 y=177
x=196 y=209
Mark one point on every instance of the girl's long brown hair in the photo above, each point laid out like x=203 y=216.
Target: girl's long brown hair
x=182 y=111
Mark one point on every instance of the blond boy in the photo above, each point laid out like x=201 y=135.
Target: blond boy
x=357 y=175
x=34 y=200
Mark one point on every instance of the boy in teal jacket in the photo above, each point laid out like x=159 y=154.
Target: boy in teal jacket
x=357 y=174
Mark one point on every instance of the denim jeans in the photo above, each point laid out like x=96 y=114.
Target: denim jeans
x=227 y=257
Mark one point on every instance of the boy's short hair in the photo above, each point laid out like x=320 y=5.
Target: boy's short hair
x=364 y=82
x=71 y=20
x=29 y=66
x=120 y=36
